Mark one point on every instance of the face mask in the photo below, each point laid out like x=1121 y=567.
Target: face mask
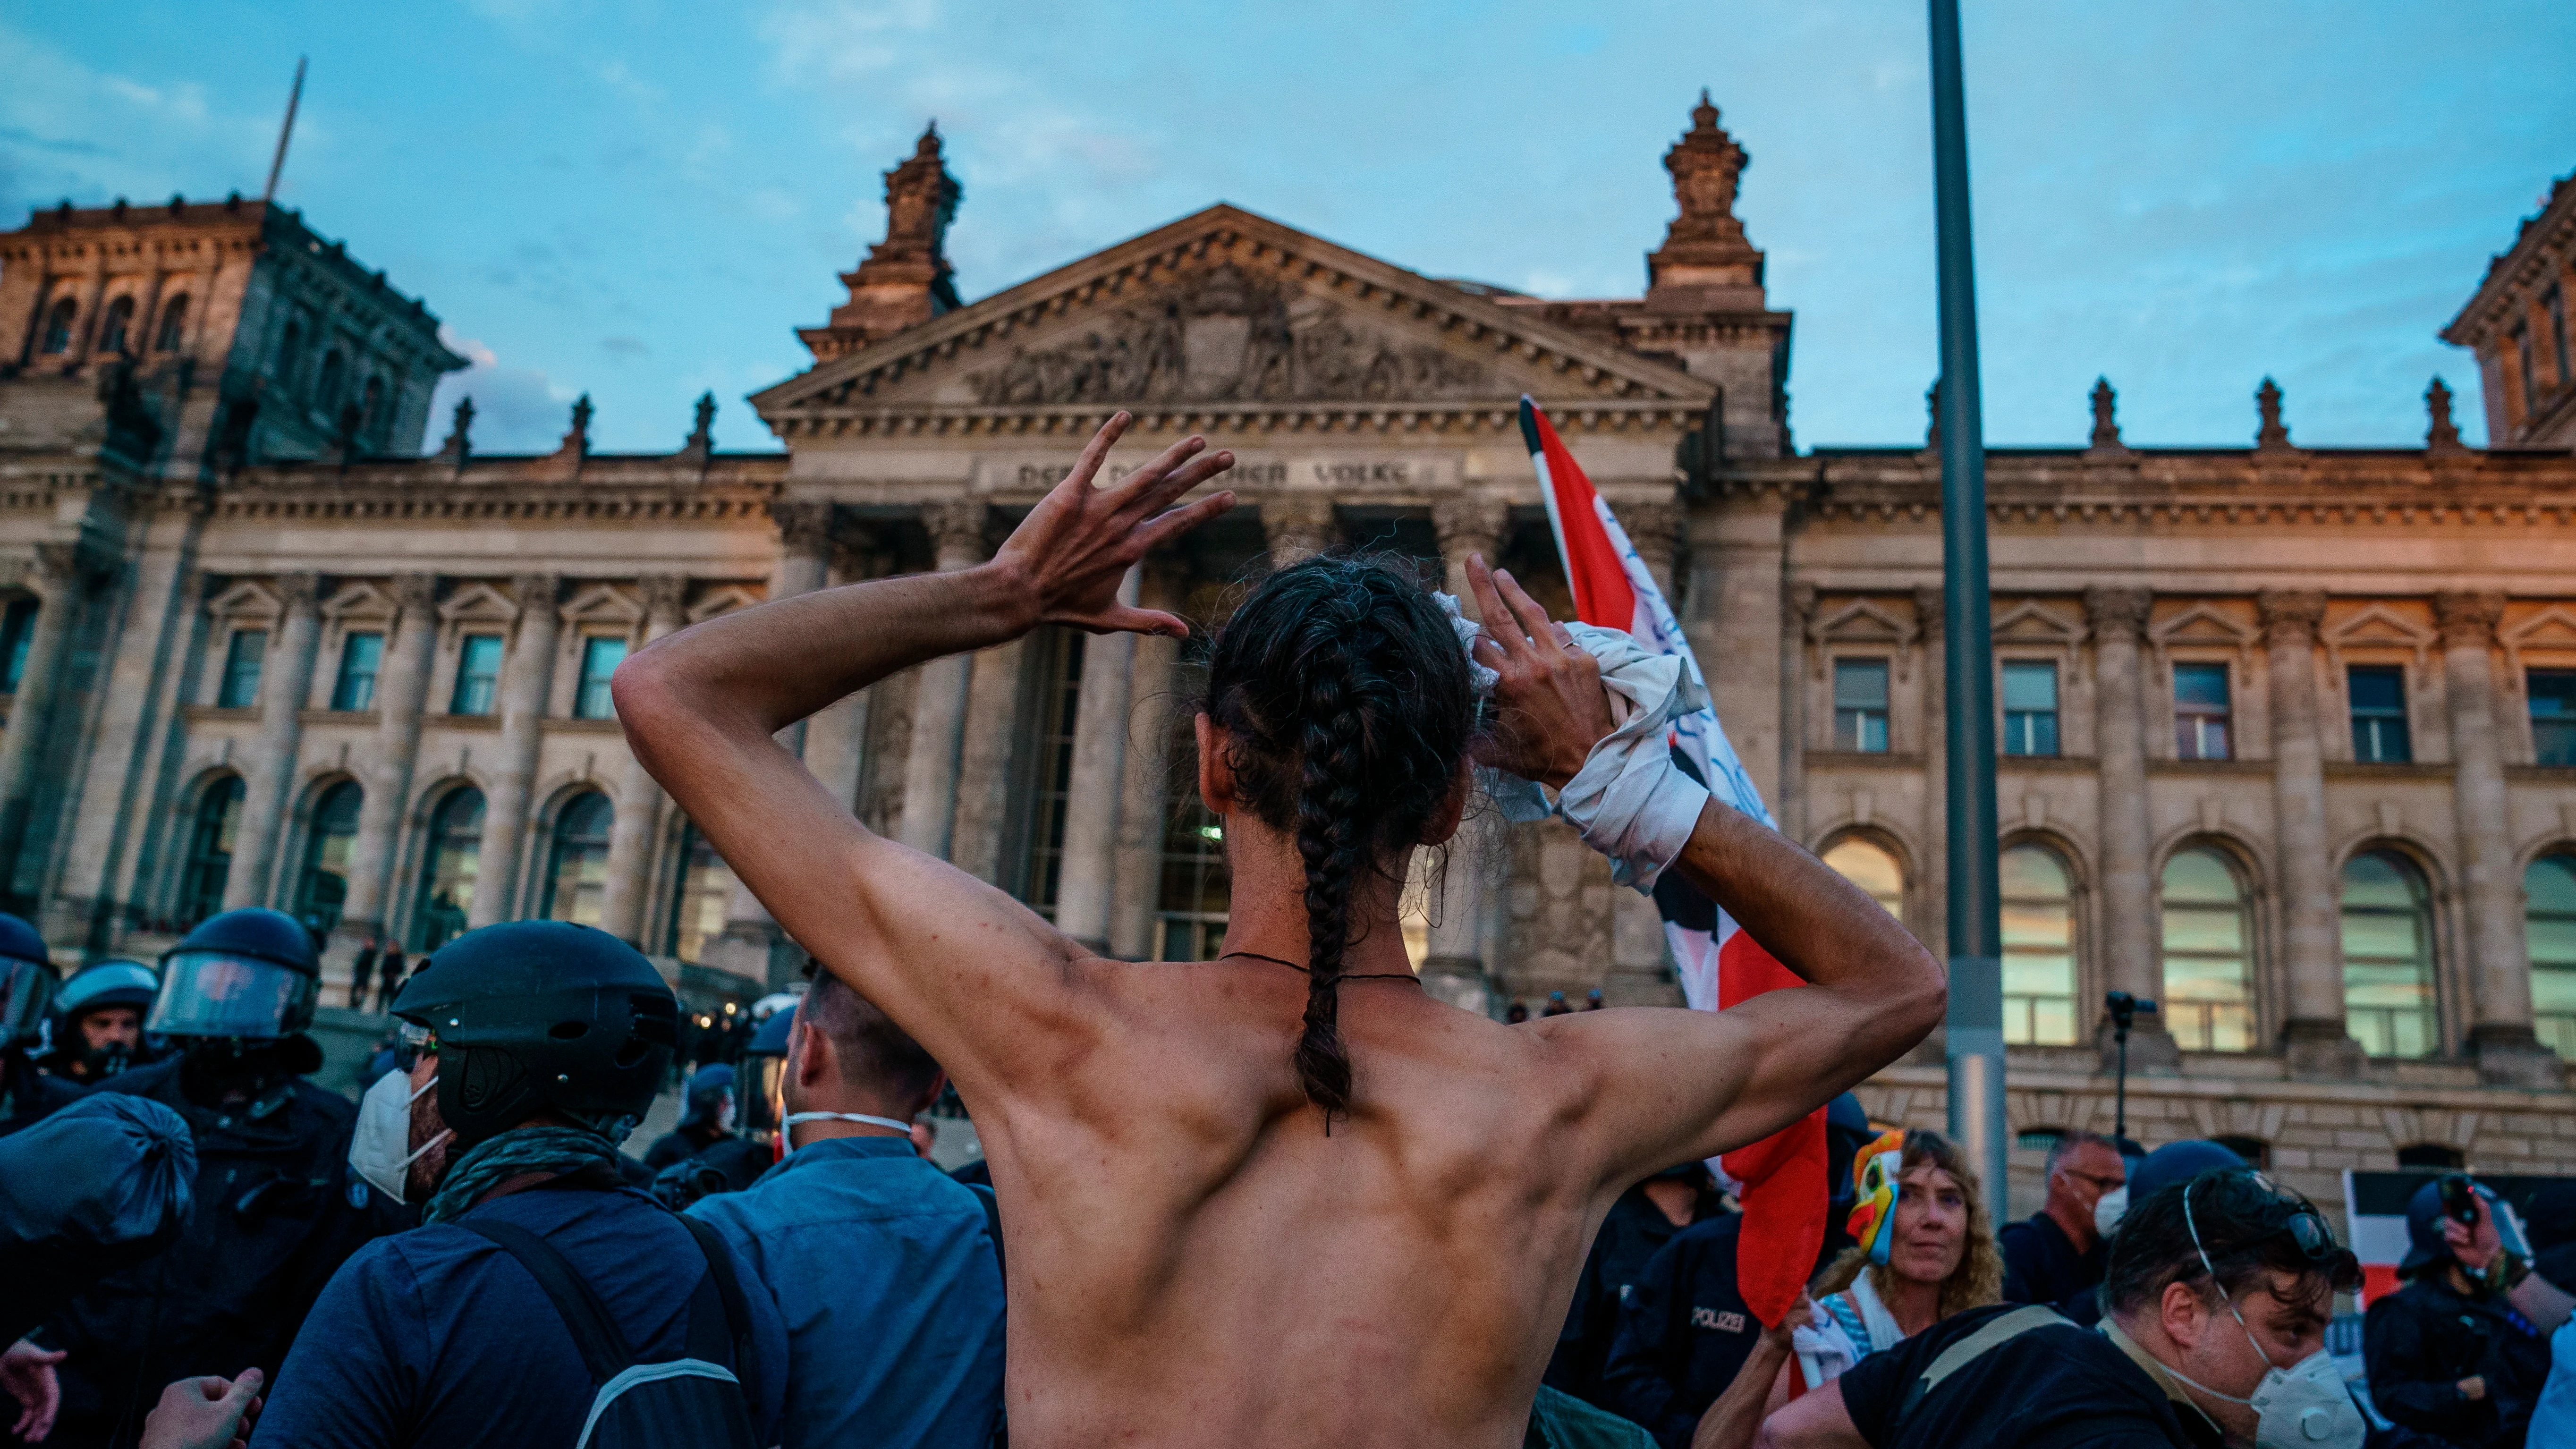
x=795 y=1117
x=2304 y=1406
x=1874 y=1174
x=384 y=1130
x=2107 y=1210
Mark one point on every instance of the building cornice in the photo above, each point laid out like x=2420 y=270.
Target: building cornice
x=2545 y=244
x=812 y=422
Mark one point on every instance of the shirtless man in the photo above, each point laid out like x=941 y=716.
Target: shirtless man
x=1283 y=1197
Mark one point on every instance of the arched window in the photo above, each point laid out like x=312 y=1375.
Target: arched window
x=372 y=412
x=577 y=868
x=2550 y=922
x=448 y=869
x=2039 y=948
x=58 y=327
x=326 y=392
x=174 y=324
x=290 y=351
x=2208 y=1002
x=209 y=862
x=324 y=885
x=2388 y=956
x=112 y=333
x=700 y=895
x=1871 y=868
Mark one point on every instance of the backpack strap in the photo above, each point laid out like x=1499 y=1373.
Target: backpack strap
x=603 y=1348
x=727 y=1290
x=1994 y=1333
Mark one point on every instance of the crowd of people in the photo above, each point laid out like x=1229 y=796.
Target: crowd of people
x=1282 y=1197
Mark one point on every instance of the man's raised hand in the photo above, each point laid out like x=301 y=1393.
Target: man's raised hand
x=1549 y=706
x=1075 y=547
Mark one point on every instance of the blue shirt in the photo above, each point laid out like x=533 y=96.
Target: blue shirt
x=436 y=1337
x=885 y=1274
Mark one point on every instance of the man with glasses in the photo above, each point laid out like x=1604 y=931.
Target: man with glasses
x=2057 y=1255
x=2218 y=1294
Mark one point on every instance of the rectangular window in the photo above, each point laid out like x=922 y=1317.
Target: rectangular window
x=2030 y=708
x=240 y=689
x=599 y=659
x=2556 y=302
x=2200 y=712
x=1860 y=705
x=478 y=674
x=1042 y=768
x=361 y=656
x=2378 y=714
x=2530 y=383
x=17 y=631
x=2553 y=715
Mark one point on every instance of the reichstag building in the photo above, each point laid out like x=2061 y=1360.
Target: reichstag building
x=2289 y=733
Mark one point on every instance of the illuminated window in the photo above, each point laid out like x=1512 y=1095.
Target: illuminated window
x=1872 y=869
x=2388 y=957
x=1038 y=831
x=2208 y=1000
x=2039 y=948
x=2549 y=922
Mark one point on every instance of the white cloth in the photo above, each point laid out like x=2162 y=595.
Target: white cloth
x=1630 y=800
x=1826 y=1350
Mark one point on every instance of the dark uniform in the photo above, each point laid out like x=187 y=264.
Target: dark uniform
x=2419 y=1342
x=276 y=1212
x=1683 y=1334
x=1634 y=1229
x=27 y=1094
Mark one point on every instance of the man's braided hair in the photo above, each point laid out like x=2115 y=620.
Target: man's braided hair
x=1349 y=709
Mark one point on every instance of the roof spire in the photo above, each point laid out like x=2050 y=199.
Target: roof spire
x=906 y=279
x=1705 y=246
x=285 y=132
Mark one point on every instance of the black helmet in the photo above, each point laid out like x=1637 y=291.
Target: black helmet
x=250 y=974
x=100 y=984
x=535 y=1016
x=27 y=980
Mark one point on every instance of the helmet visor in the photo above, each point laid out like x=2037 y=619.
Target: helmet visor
x=217 y=993
x=26 y=989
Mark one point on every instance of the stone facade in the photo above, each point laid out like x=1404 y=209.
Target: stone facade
x=2518 y=326
x=2290 y=732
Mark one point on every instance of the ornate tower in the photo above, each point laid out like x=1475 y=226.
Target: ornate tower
x=1704 y=251
x=906 y=279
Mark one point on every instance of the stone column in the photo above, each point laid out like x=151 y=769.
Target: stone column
x=836 y=738
x=639 y=798
x=400 y=691
x=1144 y=803
x=1298 y=525
x=2129 y=946
x=1085 y=887
x=804 y=559
x=269 y=765
x=526 y=682
x=939 y=698
x=57 y=577
x=996 y=697
x=2313 y=1031
x=2499 y=964
x=1454 y=969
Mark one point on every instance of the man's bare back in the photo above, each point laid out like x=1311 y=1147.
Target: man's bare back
x=1194 y=1258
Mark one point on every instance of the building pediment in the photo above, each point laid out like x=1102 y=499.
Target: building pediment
x=1225 y=311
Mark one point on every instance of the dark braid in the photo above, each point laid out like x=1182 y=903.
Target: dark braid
x=1347 y=700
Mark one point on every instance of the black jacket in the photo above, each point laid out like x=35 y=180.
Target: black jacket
x=1683 y=1334
x=2419 y=1342
x=27 y=1095
x=276 y=1212
x=2041 y=1265
x=1629 y=1236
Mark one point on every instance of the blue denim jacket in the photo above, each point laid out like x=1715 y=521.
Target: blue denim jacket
x=885 y=1273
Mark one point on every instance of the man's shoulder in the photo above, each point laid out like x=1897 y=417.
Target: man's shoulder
x=840 y=1188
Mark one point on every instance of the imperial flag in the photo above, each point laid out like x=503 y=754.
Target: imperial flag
x=1780 y=1180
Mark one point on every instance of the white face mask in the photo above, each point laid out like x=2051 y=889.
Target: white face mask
x=795 y=1117
x=2108 y=1209
x=384 y=1130
x=2304 y=1406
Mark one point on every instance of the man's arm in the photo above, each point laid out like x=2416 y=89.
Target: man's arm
x=939 y=951
x=1812 y=1421
x=1677 y=1085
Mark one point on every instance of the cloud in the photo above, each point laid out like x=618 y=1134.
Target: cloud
x=516 y=409
x=624 y=346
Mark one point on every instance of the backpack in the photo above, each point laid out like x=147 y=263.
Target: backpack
x=685 y=1403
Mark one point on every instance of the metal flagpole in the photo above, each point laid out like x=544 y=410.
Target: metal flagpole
x=277 y=163
x=1976 y=1021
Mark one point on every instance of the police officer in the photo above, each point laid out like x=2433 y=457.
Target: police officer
x=1643 y=1219
x=1684 y=1329
x=97 y=1028
x=276 y=1209
x=539 y=1046
x=28 y=981
x=2451 y=1354
x=721 y=1160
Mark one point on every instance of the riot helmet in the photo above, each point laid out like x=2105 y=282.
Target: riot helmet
x=540 y=1016
x=764 y=1064
x=102 y=986
x=27 y=981
x=249 y=975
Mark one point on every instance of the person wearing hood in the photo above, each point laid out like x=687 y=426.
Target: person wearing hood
x=706 y=1135
x=98 y=1022
x=2461 y=1352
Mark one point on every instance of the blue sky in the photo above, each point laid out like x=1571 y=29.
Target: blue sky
x=643 y=200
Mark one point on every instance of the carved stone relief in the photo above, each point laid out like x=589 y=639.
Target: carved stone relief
x=1225 y=336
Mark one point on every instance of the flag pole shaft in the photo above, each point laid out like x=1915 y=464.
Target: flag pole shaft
x=1976 y=1017
x=285 y=132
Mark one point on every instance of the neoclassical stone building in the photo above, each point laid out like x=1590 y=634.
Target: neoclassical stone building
x=2289 y=732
